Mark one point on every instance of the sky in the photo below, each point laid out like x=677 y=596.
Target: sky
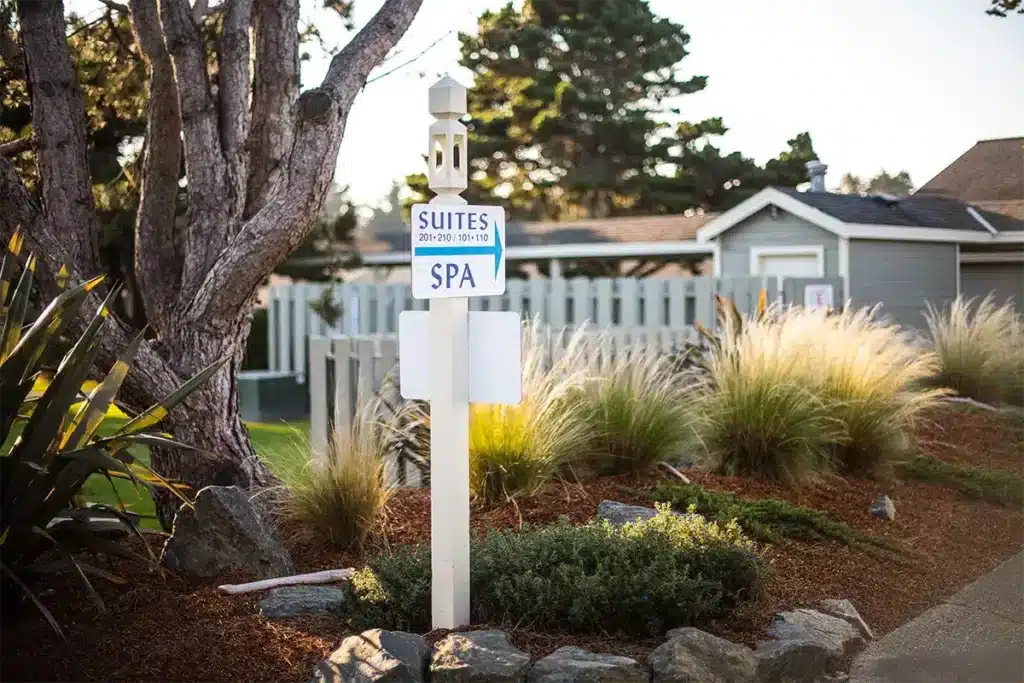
x=893 y=84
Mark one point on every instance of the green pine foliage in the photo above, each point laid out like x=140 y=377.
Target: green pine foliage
x=642 y=578
x=998 y=487
x=769 y=519
x=569 y=116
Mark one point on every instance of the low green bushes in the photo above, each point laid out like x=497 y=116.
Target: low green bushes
x=641 y=578
x=797 y=392
x=980 y=348
x=992 y=486
x=769 y=519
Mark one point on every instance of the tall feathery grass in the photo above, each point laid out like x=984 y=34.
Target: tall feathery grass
x=980 y=349
x=799 y=393
x=757 y=414
x=635 y=407
x=339 y=496
x=515 y=450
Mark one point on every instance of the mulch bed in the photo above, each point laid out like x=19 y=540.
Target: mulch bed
x=160 y=628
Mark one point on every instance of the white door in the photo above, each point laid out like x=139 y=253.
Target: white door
x=788 y=265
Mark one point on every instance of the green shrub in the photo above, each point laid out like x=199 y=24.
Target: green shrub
x=980 y=349
x=795 y=392
x=339 y=496
x=642 y=578
x=770 y=520
x=51 y=437
x=992 y=486
x=636 y=410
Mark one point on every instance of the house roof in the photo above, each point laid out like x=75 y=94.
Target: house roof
x=990 y=171
x=929 y=219
x=626 y=237
x=913 y=211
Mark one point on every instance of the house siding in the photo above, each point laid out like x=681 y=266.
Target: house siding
x=902 y=276
x=1003 y=280
x=761 y=230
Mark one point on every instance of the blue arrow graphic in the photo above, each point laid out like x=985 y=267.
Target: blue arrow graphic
x=468 y=250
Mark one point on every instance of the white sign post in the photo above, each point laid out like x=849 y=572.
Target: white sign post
x=457 y=252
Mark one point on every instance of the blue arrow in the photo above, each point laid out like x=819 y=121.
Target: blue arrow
x=468 y=250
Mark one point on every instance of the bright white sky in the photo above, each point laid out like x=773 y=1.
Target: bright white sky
x=879 y=84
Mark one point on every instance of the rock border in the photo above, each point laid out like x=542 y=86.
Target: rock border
x=808 y=645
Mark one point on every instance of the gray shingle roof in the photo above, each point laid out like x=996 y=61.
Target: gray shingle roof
x=912 y=212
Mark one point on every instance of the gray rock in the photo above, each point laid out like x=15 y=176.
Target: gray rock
x=884 y=508
x=376 y=656
x=791 y=661
x=841 y=640
x=576 y=665
x=844 y=609
x=478 y=657
x=621 y=513
x=223 y=530
x=694 y=656
x=297 y=601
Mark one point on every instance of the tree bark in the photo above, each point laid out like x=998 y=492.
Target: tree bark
x=256 y=181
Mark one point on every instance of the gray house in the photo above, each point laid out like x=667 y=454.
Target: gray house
x=897 y=251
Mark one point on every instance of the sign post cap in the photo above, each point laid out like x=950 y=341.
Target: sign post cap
x=447 y=98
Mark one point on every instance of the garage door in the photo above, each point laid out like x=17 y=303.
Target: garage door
x=792 y=265
x=1005 y=280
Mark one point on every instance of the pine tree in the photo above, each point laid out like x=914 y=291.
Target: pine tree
x=565 y=103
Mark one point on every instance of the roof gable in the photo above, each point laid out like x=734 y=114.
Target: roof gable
x=991 y=170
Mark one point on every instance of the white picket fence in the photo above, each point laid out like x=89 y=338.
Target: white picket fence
x=346 y=371
x=629 y=303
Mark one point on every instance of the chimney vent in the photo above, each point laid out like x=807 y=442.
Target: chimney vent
x=816 y=170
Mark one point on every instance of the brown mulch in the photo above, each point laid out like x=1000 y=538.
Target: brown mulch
x=160 y=628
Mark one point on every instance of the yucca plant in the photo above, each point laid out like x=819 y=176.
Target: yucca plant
x=51 y=437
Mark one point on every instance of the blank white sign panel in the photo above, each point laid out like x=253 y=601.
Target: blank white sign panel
x=495 y=356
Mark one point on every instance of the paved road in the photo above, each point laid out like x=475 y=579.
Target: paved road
x=976 y=636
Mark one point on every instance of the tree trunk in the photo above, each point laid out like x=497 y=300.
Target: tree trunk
x=259 y=160
x=209 y=419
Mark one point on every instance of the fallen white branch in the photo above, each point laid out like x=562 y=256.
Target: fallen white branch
x=970 y=401
x=676 y=472
x=326 y=576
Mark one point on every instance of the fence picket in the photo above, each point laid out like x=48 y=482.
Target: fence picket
x=676 y=303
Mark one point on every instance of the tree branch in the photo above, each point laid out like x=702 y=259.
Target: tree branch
x=158 y=257
x=350 y=67
x=293 y=205
x=233 y=88
x=117 y=6
x=207 y=217
x=15 y=147
x=20 y=212
x=58 y=128
x=275 y=89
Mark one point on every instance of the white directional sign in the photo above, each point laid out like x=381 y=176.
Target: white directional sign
x=457 y=250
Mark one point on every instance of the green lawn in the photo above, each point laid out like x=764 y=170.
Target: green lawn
x=275 y=443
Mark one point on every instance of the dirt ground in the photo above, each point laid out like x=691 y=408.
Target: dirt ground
x=160 y=628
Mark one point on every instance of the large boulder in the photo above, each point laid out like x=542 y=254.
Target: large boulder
x=694 y=656
x=576 y=665
x=376 y=657
x=221 y=531
x=839 y=639
x=299 y=601
x=794 y=659
x=478 y=657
